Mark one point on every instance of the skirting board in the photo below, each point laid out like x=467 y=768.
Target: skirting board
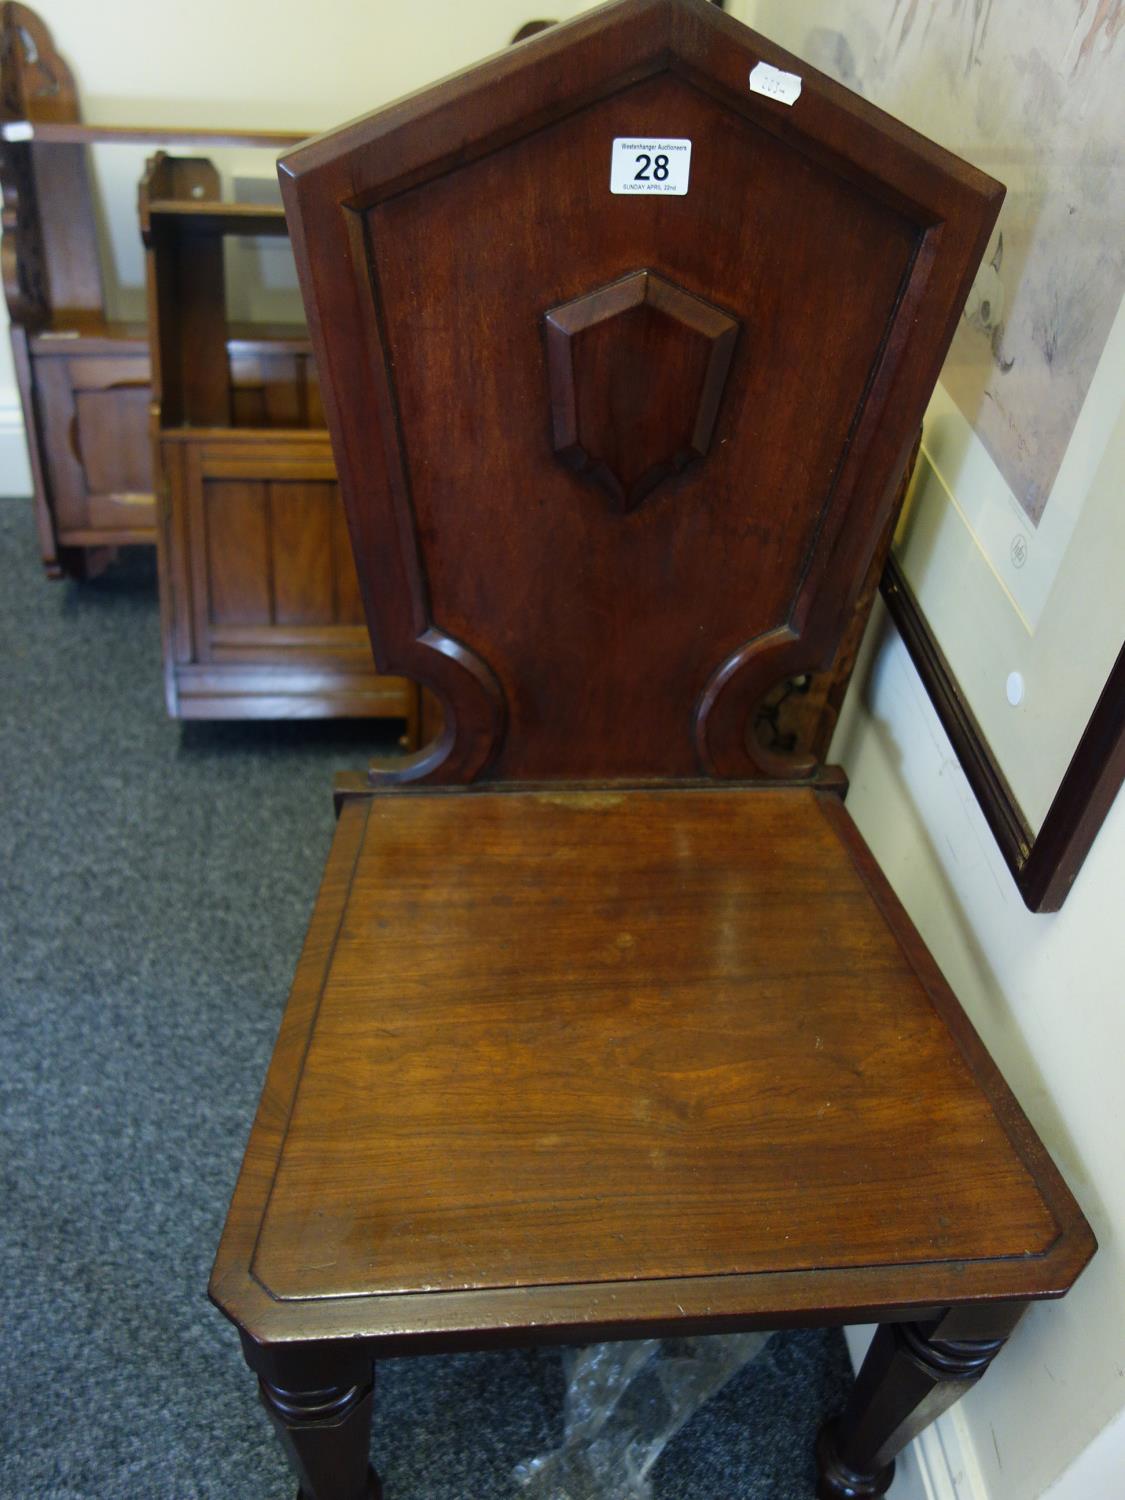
x=15 y=475
x=942 y=1458
x=939 y=1464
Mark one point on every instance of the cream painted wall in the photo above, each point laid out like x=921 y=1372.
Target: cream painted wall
x=1046 y=994
x=274 y=63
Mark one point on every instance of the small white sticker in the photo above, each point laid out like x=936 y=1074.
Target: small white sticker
x=774 y=84
x=19 y=130
x=650 y=166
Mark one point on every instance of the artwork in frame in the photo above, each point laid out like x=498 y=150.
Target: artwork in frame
x=1031 y=91
x=1005 y=578
x=1034 y=704
x=1043 y=863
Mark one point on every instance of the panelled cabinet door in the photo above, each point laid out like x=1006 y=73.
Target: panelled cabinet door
x=273 y=568
x=267 y=606
x=94 y=414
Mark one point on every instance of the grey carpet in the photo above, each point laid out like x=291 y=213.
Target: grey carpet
x=156 y=879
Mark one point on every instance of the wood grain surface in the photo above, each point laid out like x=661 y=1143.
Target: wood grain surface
x=618 y=1036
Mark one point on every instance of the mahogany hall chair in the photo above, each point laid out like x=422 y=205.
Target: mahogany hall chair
x=607 y=1023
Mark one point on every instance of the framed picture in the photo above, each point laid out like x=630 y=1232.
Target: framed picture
x=1017 y=630
x=1043 y=862
x=1007 y=576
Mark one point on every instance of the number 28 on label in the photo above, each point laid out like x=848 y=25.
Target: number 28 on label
x=650 y=165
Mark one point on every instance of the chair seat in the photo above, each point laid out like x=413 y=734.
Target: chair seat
x=603 y=1057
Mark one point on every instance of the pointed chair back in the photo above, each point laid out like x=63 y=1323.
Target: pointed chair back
x=624 y=337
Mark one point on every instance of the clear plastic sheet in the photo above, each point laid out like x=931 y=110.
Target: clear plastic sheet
x=624 y=1404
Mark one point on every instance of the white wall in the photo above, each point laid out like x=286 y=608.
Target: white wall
x=271 y=63
x=1046 y=994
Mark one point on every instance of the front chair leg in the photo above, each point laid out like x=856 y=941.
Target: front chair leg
x=326 y=1435
x=909 y=1377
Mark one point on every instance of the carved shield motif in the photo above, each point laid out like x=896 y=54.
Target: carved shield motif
x=636 y=372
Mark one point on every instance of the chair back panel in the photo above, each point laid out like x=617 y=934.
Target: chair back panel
x=616 y=462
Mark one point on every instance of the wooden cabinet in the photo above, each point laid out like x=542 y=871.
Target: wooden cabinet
x=83 y=377
x=90 y=391
x=262 y=612
x=82 y=380
x=92 y=396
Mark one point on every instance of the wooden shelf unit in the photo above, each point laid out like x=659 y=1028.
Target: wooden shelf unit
x=83 y=377
x=261 y=610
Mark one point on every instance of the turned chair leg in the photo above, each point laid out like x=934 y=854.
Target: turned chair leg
x=910 y=1376
x=326 y=1435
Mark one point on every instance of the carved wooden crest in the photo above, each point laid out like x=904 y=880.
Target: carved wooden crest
x=636 y=371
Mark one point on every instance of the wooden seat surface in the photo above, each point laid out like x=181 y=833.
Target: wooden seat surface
x=626 y=1051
